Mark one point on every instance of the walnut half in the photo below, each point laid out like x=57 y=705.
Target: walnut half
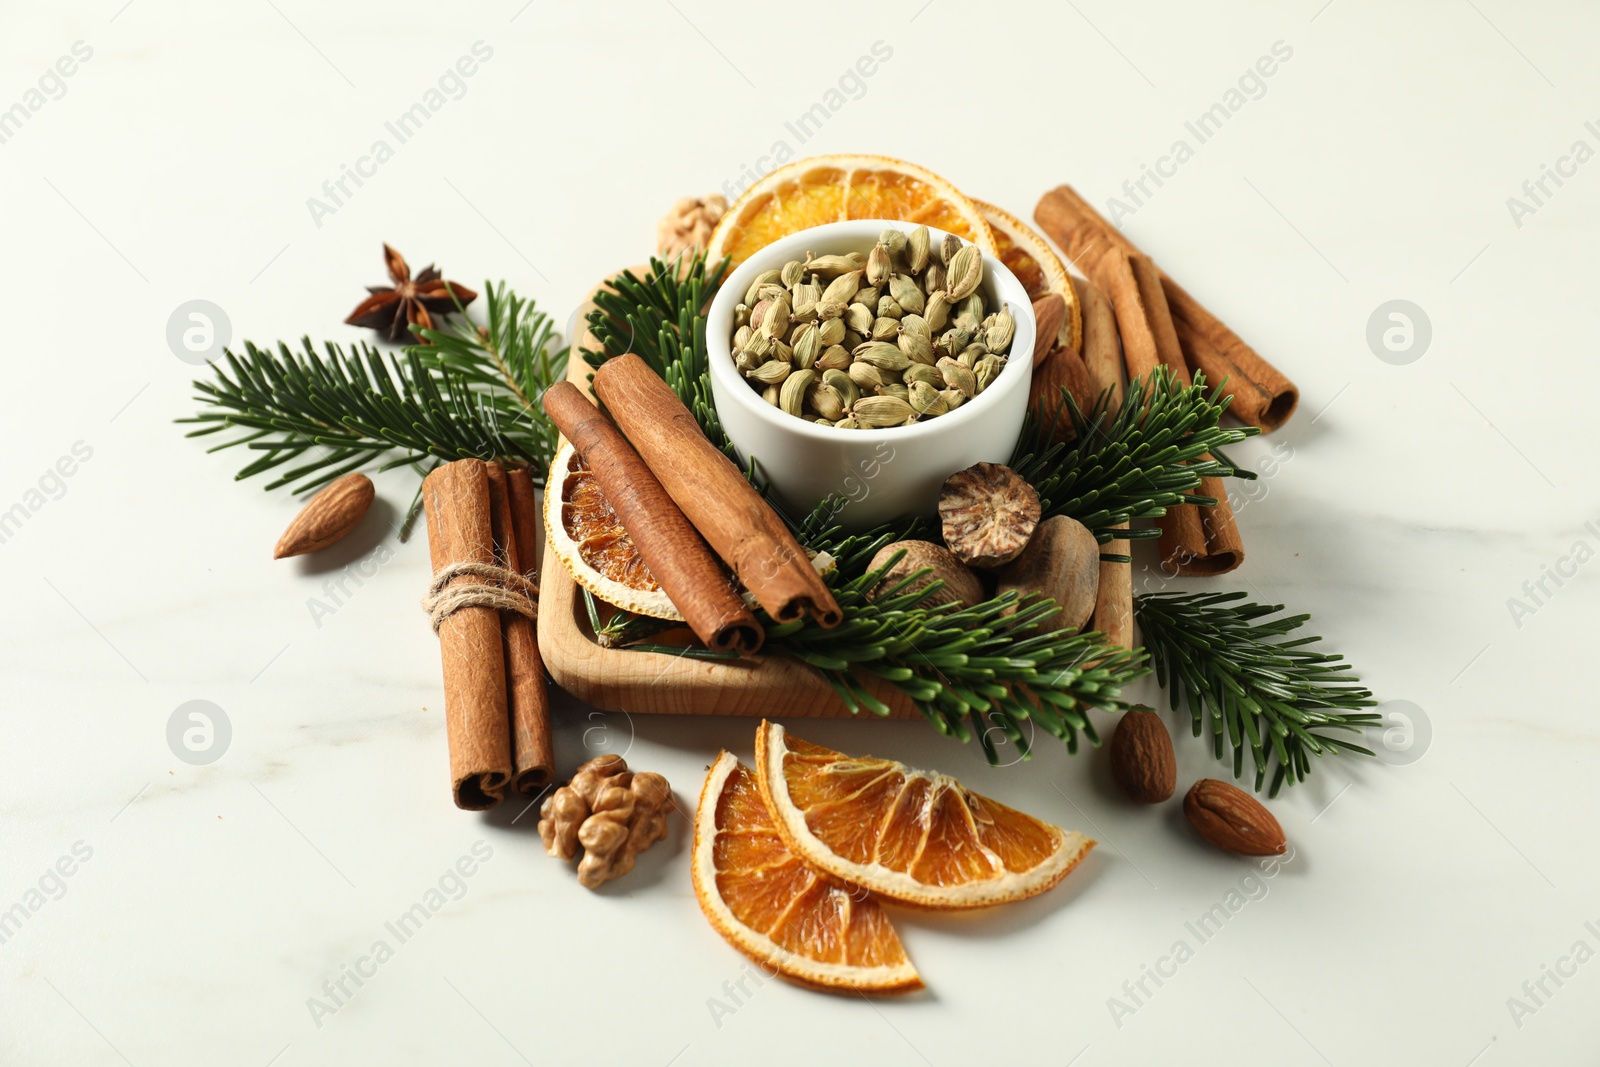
x=612 y=812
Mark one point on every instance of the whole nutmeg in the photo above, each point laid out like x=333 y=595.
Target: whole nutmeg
x=1142 y=761
x=1232 y=819
x=1062 y=562
x=987 y=513
x=961 y=586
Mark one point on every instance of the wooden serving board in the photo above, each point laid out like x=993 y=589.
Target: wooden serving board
x=660 y=684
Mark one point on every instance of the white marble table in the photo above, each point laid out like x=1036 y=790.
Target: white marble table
x=189 y=914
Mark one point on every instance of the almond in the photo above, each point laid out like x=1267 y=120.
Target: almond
x=1049 y=311
x=1142 y=760
x=1232 y=819
x=328 y=516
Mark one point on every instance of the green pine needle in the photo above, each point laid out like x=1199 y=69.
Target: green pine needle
x=1132 y=465
x=1246 y=682
x=968 y=670
x=471 y=392
x=661 y=319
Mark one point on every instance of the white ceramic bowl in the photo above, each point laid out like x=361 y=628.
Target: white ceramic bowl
x=881 y=474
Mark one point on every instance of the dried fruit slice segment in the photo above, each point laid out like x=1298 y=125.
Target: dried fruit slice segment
x=785 y=915
x=913 y=836
x=586 y=537
x=1036 y=265
x=834 y=188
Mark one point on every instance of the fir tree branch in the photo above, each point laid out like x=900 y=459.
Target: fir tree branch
x=1245 y=681
x=968 y=670
x=1132 y=465
x=472 y=392
x=661 y=319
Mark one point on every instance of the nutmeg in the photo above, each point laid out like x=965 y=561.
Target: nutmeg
x=987 y=513
x=1062 y=562
x=961 y=586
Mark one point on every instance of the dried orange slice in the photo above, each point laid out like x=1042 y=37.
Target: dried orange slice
x=1037 y=267
x=582 y=529
x=787 y=917
x=810 y=192
x=913 y=836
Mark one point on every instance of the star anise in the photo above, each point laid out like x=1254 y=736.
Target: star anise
x=410 y=302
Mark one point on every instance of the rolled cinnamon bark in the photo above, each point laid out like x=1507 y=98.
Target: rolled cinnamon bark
x=1149 y=340
x=527 y=699
x=740 y=526
x=669 y=544
x=455 y=498
x=1113 y=601
x=1065 y=215
x=1102 y=354
x=1154 y=302
x=1262 y=396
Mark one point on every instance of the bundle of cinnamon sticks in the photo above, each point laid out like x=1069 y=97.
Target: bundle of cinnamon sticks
x=1128 y=300
x=497 y=708
x=698 y=524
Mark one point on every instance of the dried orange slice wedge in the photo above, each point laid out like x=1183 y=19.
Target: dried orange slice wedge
x=1037 y=267
x=789 y=918
x=810 y=192
x=582 y=529
x=913 y=836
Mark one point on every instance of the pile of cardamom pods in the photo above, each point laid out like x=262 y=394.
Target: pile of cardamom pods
x=888 y=338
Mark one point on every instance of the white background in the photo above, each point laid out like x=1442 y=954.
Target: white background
x=1419 y=498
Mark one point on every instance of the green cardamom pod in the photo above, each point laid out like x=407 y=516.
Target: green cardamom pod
x=1000 y=331
x=834 y=357
x=771 y=372
x=843 y=287
x=859 y=317
x=882 y=355
x=766 y=277
x=925 y=400
x=876 y=412
x=917 y=249
x=808 y=345
x=792 y=398
x=965 y=272
x=878 y=265
x=904 y=289
x=840 y=382
x=917 y=348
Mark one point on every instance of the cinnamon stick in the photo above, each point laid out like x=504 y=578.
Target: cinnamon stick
x=1149 y=340
x=1262 y=395
x=514 y=513
x=1102 y=355
x=1113 y=602
x=455 y=498
x=668 y=543
x=740 y=526
x=1159 y=316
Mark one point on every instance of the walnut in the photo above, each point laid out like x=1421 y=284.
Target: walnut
x=689 y=223
x=614 y=813
x=988 y=513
